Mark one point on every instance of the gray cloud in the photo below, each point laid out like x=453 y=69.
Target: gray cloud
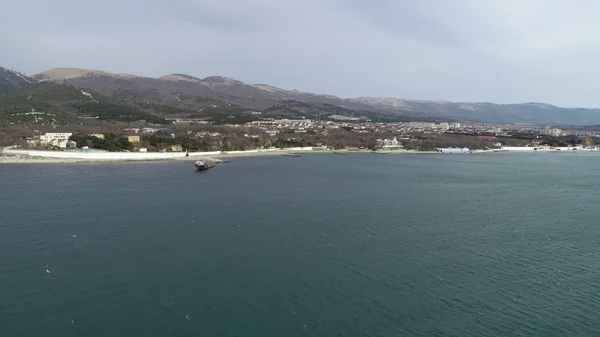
x=464 y=50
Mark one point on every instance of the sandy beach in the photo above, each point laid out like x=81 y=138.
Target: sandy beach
x=12 y=156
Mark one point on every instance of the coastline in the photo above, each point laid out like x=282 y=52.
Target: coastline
x=12 y=156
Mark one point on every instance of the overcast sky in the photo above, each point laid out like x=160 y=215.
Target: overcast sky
x=504 y=51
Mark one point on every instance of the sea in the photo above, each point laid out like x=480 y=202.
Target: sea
x=500 y=244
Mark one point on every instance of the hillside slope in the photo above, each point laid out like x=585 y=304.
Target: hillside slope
x=52 y=103
x=217 y=94
x=526 y=113
x=188 y=92
x=55 y=103
x=182 y=90
x=10 y=79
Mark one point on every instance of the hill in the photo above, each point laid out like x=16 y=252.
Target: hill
x=52 y=103
x=167 y=88
x=525 y=113
x=216 y=95
x=189 y=92
x=10 y=79
x=55 y=103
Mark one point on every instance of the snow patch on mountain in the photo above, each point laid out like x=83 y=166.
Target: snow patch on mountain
x=21 y=76
x=84 y=93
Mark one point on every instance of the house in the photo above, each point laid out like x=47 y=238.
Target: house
x=97 y=135
x=133 y=138
x=65 y=143
x=143 y=149
x=177 y=148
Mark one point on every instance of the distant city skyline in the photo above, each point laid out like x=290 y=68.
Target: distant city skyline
x=501 y=51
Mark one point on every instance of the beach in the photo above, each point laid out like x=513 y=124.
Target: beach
x=14 y=156
x=17 y=156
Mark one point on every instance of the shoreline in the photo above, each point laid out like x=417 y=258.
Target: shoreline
x=11 y=156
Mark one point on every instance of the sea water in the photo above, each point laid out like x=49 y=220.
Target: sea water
x=321 y=245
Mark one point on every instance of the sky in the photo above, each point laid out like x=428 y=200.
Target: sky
x=502 y=51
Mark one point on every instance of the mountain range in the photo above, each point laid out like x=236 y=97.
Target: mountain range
x=222 y=99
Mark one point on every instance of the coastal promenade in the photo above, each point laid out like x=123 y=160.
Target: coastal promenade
x=137 y=156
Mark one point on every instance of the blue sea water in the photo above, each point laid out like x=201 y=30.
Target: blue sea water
x=321 y=245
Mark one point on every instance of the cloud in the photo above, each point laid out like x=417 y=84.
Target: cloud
x=464 y=50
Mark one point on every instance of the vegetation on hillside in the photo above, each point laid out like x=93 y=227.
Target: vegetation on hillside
x=162 y=140
x=112 y=142
x=52 y=103
x=562 y=141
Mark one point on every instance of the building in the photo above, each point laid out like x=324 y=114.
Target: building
x=548 y=131
x=133 y=138
x=54 y=138
x=283 y=123
x=454 y=150
x=388 y=143
x=519 y=148
x=65 y=143
x=343 y=118
x=188 y=120
x=97 y=135
x=177 y=148
x=421 y=125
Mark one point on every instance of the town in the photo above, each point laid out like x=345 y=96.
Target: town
x=193 y=135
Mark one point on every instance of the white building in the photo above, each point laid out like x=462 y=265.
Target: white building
x=64 y=143
x=552 y=132
x=343 y=118
x=51 y=138
x=283 y=123
x=421 y=125
x=389 y=143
